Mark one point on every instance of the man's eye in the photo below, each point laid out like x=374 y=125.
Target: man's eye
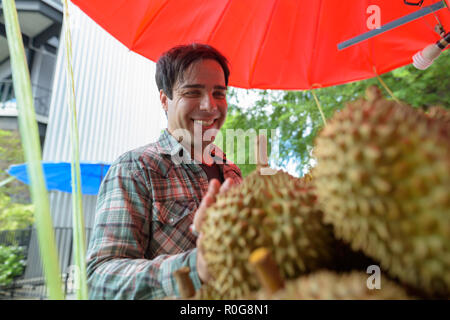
x=219 y=94
x=192 y=93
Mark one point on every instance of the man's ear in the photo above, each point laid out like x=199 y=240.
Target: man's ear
x=164 y=100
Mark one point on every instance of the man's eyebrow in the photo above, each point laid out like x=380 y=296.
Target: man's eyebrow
x=201 y=86
x=192 y=86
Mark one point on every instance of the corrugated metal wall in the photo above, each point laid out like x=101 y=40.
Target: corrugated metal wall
x=118 y=109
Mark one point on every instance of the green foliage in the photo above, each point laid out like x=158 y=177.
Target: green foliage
x=12 y=264
x=297 y=119
x=9 y=140
x=15 y=210
x=11 y=153
x=14 y=215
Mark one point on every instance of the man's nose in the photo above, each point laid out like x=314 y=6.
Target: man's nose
x=208 y=102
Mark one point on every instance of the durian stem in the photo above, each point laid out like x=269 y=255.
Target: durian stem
x=319 y=107
x=185 y=285
x=266 y=270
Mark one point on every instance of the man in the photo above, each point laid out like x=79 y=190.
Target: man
x=148 y=200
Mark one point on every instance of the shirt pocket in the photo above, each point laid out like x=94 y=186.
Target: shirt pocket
x=170 y=227
x=172 y=212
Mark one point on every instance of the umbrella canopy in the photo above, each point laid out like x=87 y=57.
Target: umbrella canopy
x=275 y=44
x=58 y=175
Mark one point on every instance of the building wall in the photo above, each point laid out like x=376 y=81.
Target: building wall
x=41 y=76
x=118 y=109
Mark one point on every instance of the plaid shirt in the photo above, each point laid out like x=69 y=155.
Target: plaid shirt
x=145 y=206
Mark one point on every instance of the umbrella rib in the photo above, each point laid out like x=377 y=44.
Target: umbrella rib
x=218 y=21
x=263 y=39
x=313 y=56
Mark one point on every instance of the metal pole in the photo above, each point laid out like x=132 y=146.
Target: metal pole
x=392 y=25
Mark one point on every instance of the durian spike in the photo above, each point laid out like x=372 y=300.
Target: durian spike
x=439 y=113
x=185 y=285
x=266 y=270
x=373 y=93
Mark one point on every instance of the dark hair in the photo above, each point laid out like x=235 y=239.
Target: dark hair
x=172 y=64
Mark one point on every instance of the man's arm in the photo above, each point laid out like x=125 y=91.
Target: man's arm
x=116 y=263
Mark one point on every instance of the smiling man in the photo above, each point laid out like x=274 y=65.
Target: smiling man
x=150 y=196
x=196 y=107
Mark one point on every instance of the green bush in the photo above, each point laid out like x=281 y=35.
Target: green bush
x=13 y=215
x=16 y=212
x=12 y=264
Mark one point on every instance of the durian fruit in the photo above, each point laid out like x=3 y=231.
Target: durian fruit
x=383 y=181
x=346 y=259
x=278 y=212
x=208 y=292
x=322 y=284
x=307 y=177
x=329 y=285
x=439 y=113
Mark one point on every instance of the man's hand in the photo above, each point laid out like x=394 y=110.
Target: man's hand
x=210 y=198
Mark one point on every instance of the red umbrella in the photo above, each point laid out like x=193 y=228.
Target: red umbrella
x=275 y=44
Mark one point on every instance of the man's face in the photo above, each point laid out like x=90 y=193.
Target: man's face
x=199 y=100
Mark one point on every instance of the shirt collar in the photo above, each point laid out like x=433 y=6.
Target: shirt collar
x=169 y=145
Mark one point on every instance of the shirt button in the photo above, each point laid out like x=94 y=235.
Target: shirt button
x=171 y=220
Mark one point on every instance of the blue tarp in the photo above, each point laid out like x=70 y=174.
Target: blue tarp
x=58 y=175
